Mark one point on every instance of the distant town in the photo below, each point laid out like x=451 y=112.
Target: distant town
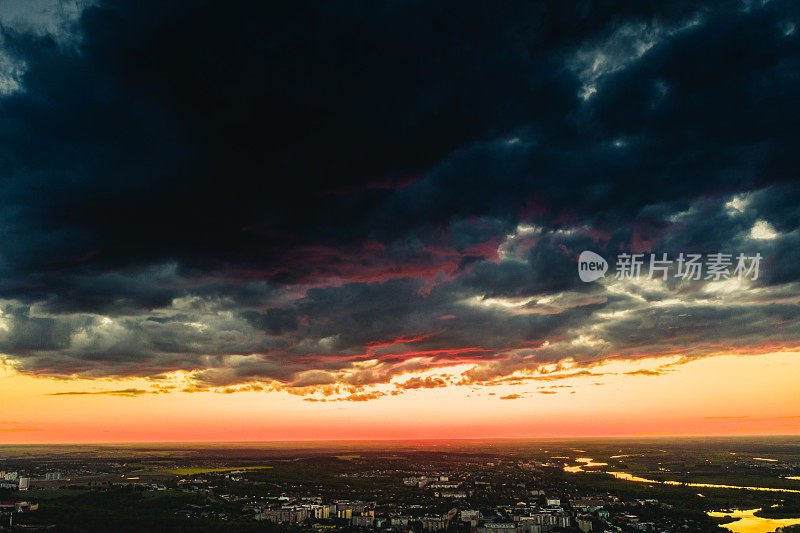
x=477 y=488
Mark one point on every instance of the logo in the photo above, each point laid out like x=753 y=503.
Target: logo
x=591 y=266
x=689 y=266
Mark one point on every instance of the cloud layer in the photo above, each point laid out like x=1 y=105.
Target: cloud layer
x=324 y=198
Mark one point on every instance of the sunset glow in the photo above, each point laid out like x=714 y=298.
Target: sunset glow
x=724 y=395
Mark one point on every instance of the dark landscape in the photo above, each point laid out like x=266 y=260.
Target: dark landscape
x=491 y=486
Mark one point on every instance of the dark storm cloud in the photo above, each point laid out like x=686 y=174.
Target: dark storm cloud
x=327 y=194
x=223 y=135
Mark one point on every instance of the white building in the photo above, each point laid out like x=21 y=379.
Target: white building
x=498 y=527
x=471 y=515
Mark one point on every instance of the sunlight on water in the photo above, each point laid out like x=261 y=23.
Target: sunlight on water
x=630 y=477
x=588 y=461
x=749 y=523
x=585 y=462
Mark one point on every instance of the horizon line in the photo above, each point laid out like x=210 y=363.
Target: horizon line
x=419 y=439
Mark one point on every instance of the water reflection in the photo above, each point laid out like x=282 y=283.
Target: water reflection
x=630 y=477
x=588 y=461
x=748 y=522
x=585 y=462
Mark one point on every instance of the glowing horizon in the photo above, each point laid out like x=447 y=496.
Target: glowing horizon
x=682 y=402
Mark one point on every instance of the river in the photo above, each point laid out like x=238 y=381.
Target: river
x=748 y=522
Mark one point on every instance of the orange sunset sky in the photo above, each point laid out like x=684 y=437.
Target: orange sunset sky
x=724 y=395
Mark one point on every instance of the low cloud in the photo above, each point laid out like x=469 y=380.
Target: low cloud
x=120 y=392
